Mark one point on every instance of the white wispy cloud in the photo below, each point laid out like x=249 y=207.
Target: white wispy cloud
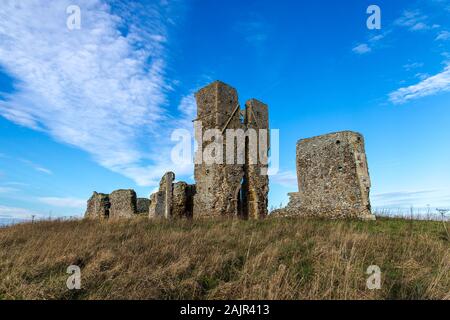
x=420 y=26
x=377 y=37
x=254 y=29
x=429 y=86
x=36 y=167
x=413 y=65
x=285 y=178
x=372 y=43
x=8 y=189
x=188 y=111
x=362 y=48
x=414 y=20
x=410 y=198
x=99 y=89
x=422 y=76
x=443 y=35
x=17 y=213
x=67 y=202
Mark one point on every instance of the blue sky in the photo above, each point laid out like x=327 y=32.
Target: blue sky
x=94 y=108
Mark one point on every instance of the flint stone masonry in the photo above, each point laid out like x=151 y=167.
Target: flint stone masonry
x=182 y=200
x=98 y=206
x=166 y=186
x=142 y=205
x=172 y=200
x=228 y=189
x=123 y=204
x=218 y=185
x=161 y=201
x=256 y=180
x=157 y=205
x=332 y=172
x=333 y=177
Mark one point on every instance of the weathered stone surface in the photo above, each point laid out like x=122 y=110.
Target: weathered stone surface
x=142 y=205
x=98 y=206
x=333 y=177
x=161 y=201
x=215 y=104
x=157 y=205
x=172 y=200
x=166 y=186
x=123 y=204
x=232 y=189
x=179 y=200
x=256 y=180
x=191 y=192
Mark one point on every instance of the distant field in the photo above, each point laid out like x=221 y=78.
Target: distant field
x=277 y=258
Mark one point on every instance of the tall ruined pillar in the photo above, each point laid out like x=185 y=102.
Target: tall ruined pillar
x=167 y=186
x=218 y=185
x=256 y=180
x=161 y=201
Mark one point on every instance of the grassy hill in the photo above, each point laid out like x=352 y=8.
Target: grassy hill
x=277 y=258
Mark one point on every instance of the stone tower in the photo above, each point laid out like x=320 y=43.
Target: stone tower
x=218 y=185
x=333 y=177
x=224 y=188
x=256 y=180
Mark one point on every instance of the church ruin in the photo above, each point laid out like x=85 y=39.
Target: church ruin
x=332 y=172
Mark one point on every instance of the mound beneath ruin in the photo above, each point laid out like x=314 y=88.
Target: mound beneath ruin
x=288 y=258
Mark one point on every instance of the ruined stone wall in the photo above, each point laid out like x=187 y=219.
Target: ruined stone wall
x=98 y=206
x=118 y=204
x=172 y=200
x=123 y=204
x=256 y=180
x=157 y=205
x=218 y=186
x=333 y=177
x=182 y=200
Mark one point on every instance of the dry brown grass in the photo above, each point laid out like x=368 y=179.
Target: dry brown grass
x=284 y=258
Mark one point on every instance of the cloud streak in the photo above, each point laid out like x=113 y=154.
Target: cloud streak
x=411 y=198
x=63 y=202
x=101 y=89
x=361 y=48
x=254 y=29
x=7 y=212
x=443 y=35
x=414 y=20
x=429 y=86
x=36 y=167
x=285 y=178
x=8 y=189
